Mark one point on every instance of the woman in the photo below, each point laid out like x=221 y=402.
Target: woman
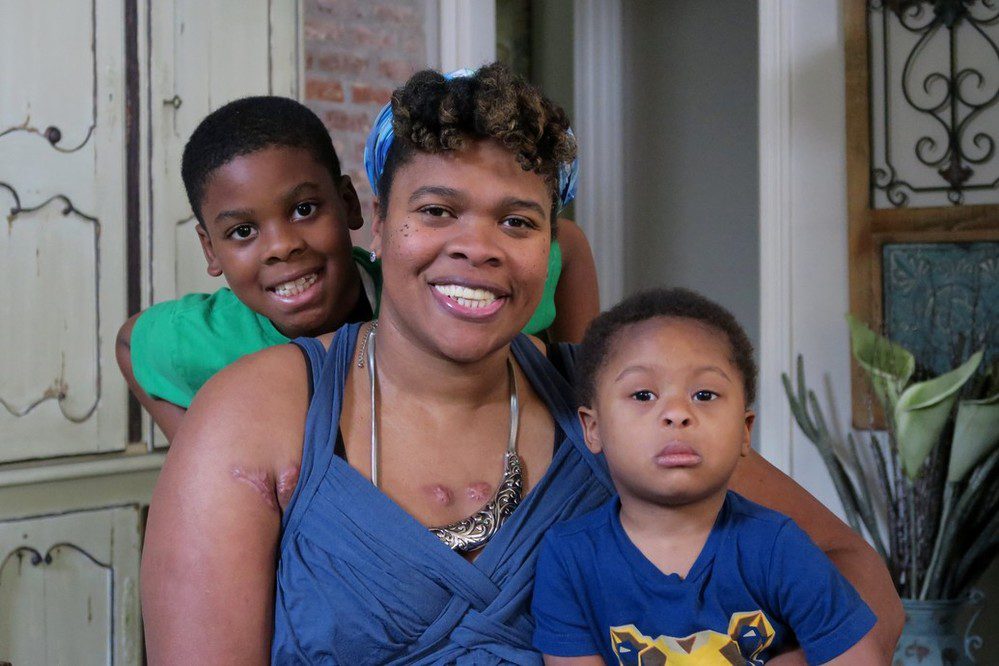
x=259 y=545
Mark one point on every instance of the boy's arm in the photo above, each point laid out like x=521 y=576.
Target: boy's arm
x=577 y=299
x=761 y=482
x=166 y=415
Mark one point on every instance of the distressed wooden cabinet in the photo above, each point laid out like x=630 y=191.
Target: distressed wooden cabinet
x=97 y=98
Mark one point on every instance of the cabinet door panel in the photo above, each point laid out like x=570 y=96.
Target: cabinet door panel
x=63 y=293
x=67 y=588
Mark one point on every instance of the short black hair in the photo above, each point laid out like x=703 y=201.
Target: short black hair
x=645 y=305
x=246 y=126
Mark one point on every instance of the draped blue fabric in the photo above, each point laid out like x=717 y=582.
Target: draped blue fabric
x=360 y=581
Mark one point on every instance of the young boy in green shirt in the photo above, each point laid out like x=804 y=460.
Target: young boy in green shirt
x=274 y=217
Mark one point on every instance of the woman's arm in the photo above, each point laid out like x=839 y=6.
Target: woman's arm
x=166 y=414
x=208 y=564
x=761 y=482
x=577 y=299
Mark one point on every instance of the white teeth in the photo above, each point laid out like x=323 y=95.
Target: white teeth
x=295 y=287
x=466 y=296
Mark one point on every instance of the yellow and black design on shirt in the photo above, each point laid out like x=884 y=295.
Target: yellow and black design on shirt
x=749 y=634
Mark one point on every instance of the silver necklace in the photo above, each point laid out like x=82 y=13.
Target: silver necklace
x=473 y=532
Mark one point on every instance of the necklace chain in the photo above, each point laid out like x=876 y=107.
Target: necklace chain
x=475 y=531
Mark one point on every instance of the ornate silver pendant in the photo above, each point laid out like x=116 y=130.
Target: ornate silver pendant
x=475 y=531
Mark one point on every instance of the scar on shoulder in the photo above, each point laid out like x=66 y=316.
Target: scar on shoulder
x=479 y=491
x=275 y=493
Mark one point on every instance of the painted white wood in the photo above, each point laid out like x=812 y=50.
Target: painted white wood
x=78 y=602
x=205 y=55
x=467 y=33
x=775 y=423
x=803 y=226
x=62 y=470
x=598 y=57
x=63 y=293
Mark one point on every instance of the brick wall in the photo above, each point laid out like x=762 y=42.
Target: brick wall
x=356 y=53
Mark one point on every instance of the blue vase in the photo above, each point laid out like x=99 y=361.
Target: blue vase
x=931 y=636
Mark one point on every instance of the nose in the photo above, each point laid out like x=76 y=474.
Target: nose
x=676 y=413
x=477 y=243
x=282 y=241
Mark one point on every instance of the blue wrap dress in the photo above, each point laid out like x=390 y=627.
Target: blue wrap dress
x=360 y=581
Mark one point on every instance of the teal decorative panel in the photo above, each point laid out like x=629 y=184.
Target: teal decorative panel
x=941 y=300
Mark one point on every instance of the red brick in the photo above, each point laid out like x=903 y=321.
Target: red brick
x=338 y=120
x=340 y=63
x=362 y=93
x=328 y=91
x=397 y=70
x=395 y=13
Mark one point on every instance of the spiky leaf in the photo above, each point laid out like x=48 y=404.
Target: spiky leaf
x=888 y=365
x=922 y=411
x=976 y=434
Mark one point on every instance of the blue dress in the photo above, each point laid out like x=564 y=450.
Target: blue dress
x=360 y=581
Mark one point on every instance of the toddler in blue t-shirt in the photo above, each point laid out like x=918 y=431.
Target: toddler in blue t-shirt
x=678 y=569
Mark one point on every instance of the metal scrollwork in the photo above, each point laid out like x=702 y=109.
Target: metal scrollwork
x=953 y=96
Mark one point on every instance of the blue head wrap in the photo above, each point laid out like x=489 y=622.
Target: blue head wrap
x=380 y=139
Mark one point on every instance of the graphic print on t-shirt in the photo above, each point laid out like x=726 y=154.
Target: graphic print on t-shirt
x=749 y=634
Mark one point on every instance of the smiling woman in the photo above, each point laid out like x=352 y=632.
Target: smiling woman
x=467 y=431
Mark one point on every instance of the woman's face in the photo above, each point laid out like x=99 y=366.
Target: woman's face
x=464 y=246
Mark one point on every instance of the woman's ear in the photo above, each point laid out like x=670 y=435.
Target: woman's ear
x=352 y=204
x=214 y=268
x=377 y=227
x=591 y=431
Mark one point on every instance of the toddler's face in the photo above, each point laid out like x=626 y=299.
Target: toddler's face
x=277 y=228
x=670 y=413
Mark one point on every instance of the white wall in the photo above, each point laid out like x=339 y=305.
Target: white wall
x=690 y=150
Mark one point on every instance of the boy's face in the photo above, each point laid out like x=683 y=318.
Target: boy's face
x=670 y=413
x=277 y=228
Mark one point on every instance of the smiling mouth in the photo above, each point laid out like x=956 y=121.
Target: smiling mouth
x=467 y=297
x=296 y=287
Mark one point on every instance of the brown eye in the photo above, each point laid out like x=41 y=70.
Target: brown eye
x=241 y=232
x=643 y=396
x=305 y=209
x=704 y=396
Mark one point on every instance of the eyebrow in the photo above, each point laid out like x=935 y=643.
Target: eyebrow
x=505 y=203
x=438 y=190
x=702 y=369
x=243 y=213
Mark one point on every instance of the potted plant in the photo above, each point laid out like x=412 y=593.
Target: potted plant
x=926 y=491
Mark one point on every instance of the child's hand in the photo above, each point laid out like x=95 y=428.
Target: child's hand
x=792 y=658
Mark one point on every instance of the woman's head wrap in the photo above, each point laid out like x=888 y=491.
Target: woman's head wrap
x=380 y=139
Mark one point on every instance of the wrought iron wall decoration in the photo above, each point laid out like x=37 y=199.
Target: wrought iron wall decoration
x=934 y=87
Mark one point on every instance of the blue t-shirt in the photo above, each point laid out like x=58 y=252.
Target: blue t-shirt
x=758 y=583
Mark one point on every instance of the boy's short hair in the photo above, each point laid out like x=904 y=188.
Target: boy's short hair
x=246 y=126
x=645 y=305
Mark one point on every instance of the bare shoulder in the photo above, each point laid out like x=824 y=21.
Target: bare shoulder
x=255 y=406
x=571 y=238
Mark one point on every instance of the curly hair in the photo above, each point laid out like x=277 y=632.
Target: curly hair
x=645 y=305
x=248 y=125
x=432 y=114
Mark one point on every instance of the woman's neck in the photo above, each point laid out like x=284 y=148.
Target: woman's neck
x=409 y=367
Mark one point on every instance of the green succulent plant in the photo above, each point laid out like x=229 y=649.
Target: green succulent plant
x=927 y=491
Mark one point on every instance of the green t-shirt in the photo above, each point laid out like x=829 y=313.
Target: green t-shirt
x=176 y=346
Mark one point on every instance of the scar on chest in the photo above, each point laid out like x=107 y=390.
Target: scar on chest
x=274 y=492
x=479 y=491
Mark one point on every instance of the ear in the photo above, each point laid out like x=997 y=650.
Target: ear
x=377 y=228
x=214 y=268
x=591 y=430
x=747 y=435
x=352 y=204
